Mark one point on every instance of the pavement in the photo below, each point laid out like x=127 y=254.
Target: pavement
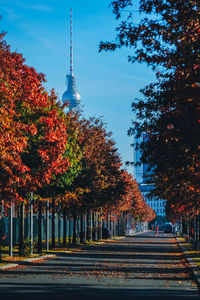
x=192 y=265
x=12 y=265
x=145 y=266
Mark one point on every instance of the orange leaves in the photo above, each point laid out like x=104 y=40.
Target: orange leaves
x=196 y=85
x=132 y=200
x=33 y=129
x=33 y=134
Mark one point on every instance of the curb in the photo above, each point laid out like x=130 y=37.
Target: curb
x=36 y=259
x=9 y=266
x=194 y=268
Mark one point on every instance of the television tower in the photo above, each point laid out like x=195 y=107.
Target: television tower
x=71 y=96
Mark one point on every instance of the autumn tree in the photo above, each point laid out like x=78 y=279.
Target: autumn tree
x=60 y=189
x=99 y=182
x=33 y=133
x=133 y=202
x=100 y=176
x=166 y=37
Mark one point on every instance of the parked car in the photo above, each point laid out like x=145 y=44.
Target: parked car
x=161 y=227
x=168 y=228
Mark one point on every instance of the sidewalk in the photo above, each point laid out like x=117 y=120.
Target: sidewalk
x=192 y=257
x=4 y=265
x=26 y=261
x=58 y=251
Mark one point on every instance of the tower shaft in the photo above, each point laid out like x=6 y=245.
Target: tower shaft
x=71 y=44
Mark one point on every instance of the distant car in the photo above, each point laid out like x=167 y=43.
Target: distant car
x=161 y=227
x=168 y=228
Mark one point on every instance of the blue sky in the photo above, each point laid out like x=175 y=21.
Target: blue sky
x=106 y=81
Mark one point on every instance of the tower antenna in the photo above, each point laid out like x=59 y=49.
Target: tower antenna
x=71 y=44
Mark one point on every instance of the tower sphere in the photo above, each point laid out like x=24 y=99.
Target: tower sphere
x=71 y=96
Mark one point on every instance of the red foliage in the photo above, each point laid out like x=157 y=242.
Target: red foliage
x=32 y=130
x=133 y=202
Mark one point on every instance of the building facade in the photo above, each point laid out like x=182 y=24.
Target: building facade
x=140 y=172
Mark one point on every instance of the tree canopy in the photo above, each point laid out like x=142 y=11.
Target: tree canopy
x=33 y=133
x=165 y=35
x=53 y=154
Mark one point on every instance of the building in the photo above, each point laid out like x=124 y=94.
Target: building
x=140 y=172
x=71 y=98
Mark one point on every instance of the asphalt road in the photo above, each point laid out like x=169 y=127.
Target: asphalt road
x=146 y=266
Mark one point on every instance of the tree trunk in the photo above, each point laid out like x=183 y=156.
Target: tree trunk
x=81 y=231
x=188 y=226
x=111 y=225
x=11 y=230
x=31 y=223
x=114 y=227
x=47 y=225
x=93 y=227
x=88 y=227
x=195 y=229
x=100 y=226
x=198 y=232
x=21 y=231
x=118 y=230
x=0 y=236
x=85 y=227
x=53 y=225
x=64 y=226
x=74 y=229
x=59 y=221
x=40 y=227
x=69 y=228
x=1 y=228
x=108 y=222
x=96 y=226
x=78 y=230
x=181 y=225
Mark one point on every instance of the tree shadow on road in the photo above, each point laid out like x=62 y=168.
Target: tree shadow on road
x=119 y=259
x=89 y=291
x=122 y=261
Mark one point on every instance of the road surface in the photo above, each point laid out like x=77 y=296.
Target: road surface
x=146 y=266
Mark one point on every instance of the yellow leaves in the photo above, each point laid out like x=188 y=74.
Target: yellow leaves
x=195 y=85
x=81 y=191
x=191 y=188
